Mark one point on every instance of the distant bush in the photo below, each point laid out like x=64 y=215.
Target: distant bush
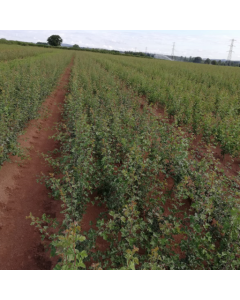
x=197 y=60
x=40 y=43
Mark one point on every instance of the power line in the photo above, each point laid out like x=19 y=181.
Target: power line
x=231 y=50
x=173 y=51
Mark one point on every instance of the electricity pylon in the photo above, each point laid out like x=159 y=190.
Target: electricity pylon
x=231 y=50
x=173 y=51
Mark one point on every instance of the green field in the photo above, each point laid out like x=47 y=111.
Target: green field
x=26 y=79
x=161 y=205
x=205 y=98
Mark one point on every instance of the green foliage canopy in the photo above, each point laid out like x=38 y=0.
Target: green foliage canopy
x=55 y=40
x=197 y=59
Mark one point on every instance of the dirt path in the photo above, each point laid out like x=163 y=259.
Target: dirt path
x=20 y=194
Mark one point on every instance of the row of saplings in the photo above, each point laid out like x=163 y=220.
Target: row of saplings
x=112 y=156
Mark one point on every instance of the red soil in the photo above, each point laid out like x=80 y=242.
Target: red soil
x=20 y=244
x=92 y=214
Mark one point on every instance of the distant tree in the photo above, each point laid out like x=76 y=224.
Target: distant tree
x=197 y=60
x=207 y=61
x=76 y=46
x=213 y=62
x=3 y=41
x=54 y=40
x=191 y=59
x=40 y=43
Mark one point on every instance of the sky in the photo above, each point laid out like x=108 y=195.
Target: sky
x=205 y=43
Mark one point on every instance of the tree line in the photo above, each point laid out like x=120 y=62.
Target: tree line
x=208 y=61
x=56 y=41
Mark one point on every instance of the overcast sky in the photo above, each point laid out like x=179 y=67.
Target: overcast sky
x=204 y=43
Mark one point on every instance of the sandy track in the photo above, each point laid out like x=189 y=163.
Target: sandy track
x=20 y=194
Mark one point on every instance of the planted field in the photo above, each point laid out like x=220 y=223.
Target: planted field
x=204 y=98
x=135 y=191
x=10 y=52
x=162 y=207
x=24 y=84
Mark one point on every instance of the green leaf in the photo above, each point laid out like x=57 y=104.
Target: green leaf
x=132 y=265
x=83 y=254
